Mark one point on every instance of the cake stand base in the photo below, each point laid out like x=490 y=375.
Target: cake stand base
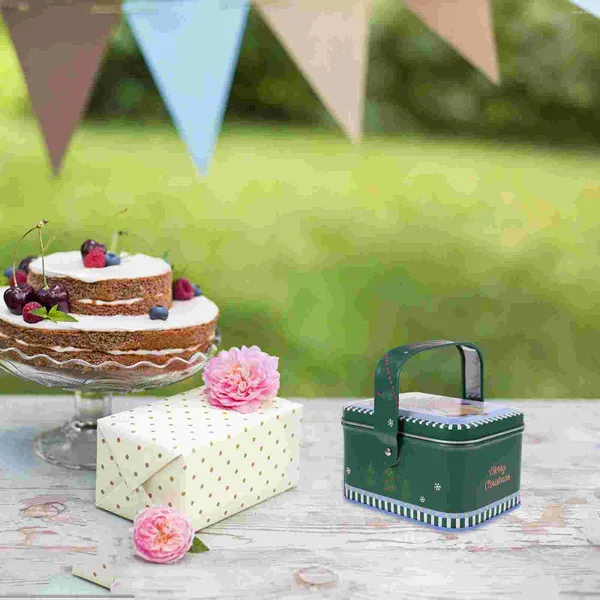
x=73 y=445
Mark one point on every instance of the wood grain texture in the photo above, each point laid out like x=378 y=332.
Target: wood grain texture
x=311 y=542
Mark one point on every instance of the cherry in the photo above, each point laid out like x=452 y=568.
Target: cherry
x=25 y=262
x=89 y=245
x=18 y=296
x=55 y=295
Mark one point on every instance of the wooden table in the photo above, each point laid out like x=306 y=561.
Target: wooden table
x=311 y=542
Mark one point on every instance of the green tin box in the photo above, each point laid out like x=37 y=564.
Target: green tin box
x=449 y=462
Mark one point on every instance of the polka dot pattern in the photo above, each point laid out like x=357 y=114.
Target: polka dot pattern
x=98 y=570
x=207 y=462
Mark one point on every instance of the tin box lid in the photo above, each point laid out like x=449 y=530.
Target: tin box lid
x=441 y=417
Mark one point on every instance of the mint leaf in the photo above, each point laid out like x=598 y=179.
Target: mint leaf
x=54 y=315
x=59 y=316
x=198 y=546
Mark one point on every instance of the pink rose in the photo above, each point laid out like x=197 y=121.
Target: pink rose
x=241 y=379
x=162 y=535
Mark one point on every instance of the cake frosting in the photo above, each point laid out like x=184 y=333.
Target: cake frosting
x=188 y=313
x=70 y=264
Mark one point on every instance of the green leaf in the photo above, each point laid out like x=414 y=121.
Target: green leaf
x=40 y=312
x=59 y=316
x=198 y=546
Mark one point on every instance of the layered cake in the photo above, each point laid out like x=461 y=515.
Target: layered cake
x=132 y=287
x=113 y=309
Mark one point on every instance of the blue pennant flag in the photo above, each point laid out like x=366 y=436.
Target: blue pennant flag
x=191 y=48
x=591 y=6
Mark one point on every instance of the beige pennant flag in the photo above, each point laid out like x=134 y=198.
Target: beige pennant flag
x=467 y=26
x=60 y=47
x=328 y=41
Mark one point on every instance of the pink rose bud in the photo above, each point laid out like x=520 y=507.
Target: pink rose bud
x=162 y=535
x=241 y=380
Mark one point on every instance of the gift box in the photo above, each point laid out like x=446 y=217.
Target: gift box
x=208 y=462
x=450 y=462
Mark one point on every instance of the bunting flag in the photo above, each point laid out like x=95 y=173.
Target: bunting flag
x=591 y=6
x=467 y=26
x=60 y=48
x=191 y=47
x=328 y=42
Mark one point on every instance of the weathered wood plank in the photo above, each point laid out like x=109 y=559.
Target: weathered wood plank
x=313 y=539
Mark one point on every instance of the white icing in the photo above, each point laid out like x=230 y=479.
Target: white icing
x=183 y=313
x=70 y=264
x=107 y=303
x=65 y=349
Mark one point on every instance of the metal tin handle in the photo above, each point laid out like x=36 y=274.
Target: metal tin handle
x=387 y=387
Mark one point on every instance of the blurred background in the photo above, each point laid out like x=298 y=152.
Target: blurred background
x=469 y=211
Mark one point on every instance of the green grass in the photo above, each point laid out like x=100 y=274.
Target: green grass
x=328 y=254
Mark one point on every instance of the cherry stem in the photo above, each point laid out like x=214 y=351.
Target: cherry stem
x=115 y=240
x=38 y=226
x=116 y=234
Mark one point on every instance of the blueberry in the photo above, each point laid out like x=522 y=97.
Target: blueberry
x=8 y=273
x=159 y=313
x=197 y=290
x=112 y=259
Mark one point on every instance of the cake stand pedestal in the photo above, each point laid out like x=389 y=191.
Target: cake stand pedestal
x=73 y=445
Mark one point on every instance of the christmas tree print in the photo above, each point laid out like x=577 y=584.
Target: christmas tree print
x=370 y=477
x=405 y=495
x=389 y=480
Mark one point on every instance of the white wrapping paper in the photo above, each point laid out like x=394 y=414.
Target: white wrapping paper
x=98 y=569
x=207 y=462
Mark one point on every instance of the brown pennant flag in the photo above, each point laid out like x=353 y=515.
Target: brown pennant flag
x=328 y=41
x=60 y=46
x=467 y=26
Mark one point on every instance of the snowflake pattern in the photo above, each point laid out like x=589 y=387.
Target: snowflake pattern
x=437 y=487
x=422 y=499
x=390 y=422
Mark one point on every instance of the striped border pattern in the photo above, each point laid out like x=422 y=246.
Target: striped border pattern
x=438 y=424
x=512 y=413
x=435 y=518
x=359 y=409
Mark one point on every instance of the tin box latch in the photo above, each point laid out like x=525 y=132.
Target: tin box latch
x=387 y=386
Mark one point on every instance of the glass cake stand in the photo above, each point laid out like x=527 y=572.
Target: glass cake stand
x=73 y=445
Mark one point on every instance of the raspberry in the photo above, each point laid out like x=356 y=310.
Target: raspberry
x=182 y=289
x=20 y=276
x=89 y=245
x=27 y=316
x=95 y=259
